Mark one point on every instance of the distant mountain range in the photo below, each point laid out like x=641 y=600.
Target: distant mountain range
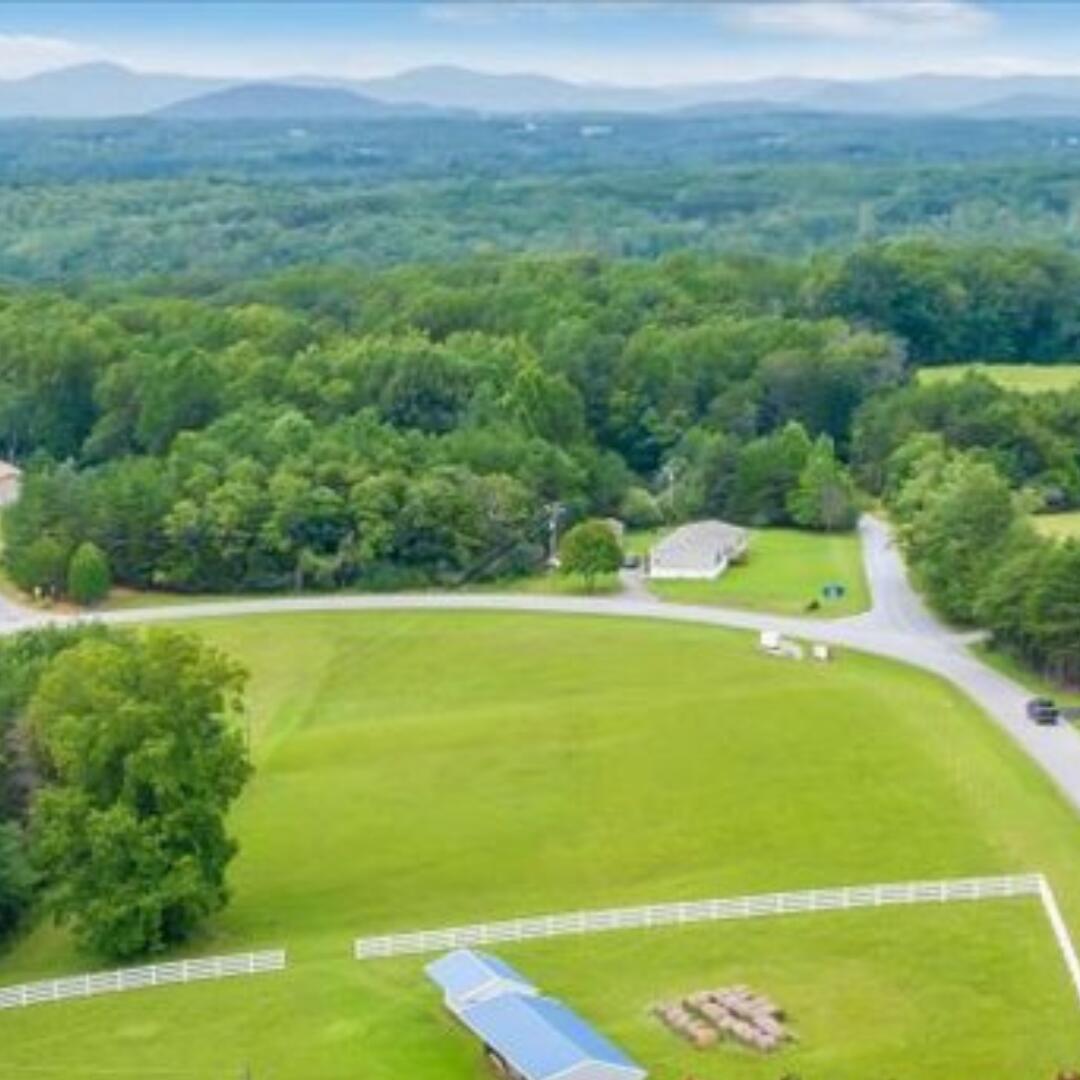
x=98 y=90
x=108 y=90
x=276 y=101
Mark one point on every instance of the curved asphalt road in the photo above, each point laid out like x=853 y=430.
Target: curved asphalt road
x=898 y=626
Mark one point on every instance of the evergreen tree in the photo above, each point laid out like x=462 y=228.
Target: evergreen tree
x=88 y=578
x=825 y=496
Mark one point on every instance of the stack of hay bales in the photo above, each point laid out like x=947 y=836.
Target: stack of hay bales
x=735 y=1013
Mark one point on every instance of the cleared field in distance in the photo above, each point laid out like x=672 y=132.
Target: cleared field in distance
x=420 y=769
x=1024 y=378
x=784 y=571
x=1060 y=526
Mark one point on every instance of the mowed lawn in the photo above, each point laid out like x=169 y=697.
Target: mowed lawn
x=1023 y=378
x=784 y=573
x=421 y=769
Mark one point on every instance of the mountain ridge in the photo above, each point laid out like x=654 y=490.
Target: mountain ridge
x=103 y=89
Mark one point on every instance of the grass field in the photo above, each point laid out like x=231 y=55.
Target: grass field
x=784 y=571
x=1059 y=526
x=420 y=769
x=1024 y=378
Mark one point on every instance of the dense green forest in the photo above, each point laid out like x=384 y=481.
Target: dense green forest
x=215 y=200
x=241 y=356
x=340 y=427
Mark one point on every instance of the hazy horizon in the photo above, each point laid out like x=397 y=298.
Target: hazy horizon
x=614 y=43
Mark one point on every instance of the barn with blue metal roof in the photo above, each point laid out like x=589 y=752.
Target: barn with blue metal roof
x=541 y=1039
x=529 y=1036
x=466 y=977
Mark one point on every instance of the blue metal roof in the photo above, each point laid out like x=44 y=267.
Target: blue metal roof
x=541 y=1037
x=465 y=971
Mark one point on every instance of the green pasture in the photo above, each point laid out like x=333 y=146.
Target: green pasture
x=1023 y=378
x=1059 y=526
x=422 y=769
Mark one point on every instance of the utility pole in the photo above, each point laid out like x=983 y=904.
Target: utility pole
x=555 y=511
x=668 y=475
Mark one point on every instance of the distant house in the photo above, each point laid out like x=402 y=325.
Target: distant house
x=525 y=1035
x=467 y=977
x=702 y=550
x=10 y=483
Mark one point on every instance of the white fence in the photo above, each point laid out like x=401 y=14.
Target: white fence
x=142 y=978
x=697 y=911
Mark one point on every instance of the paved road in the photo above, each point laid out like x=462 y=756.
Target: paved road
x=898 y=626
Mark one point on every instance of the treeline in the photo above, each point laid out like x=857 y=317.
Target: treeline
x=328 y=428
x=99 y=828
x=949 y=304
x=969 y=539
x=1033 y=440
x=962 y=466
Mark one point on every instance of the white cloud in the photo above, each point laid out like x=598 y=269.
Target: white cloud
x=26 y=54
x=492 y=12
x=861 y=19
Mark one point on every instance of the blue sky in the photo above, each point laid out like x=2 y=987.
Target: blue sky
x=592 y=40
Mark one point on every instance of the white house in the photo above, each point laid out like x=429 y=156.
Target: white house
x=702 y=550
x=10 y=482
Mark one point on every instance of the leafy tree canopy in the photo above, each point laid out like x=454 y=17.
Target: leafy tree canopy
x=141 y=760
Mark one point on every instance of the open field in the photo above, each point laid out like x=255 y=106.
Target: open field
x=1001 y=1006
x=422 y=769
x=1024 y=378
x=1060 y=526
x=784 y=571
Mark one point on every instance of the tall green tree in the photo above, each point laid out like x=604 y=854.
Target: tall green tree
x=590 y=549
x=141 y=762
x=824 y=497
x=959 y=533
x=88 y=579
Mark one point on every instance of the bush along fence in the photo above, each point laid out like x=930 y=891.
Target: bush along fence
x=962 y=890
x=142 y=978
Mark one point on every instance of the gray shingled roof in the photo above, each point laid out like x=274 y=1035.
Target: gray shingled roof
x=700 y=545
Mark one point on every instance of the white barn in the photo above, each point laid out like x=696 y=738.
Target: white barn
x=702 y=550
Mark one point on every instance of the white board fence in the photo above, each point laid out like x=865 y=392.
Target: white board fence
x=697 y=911
x=142 y=978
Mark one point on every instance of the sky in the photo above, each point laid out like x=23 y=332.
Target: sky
x=611 y=41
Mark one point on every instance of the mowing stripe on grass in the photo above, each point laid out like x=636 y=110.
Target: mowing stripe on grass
x=696 y=911
x=142 y=978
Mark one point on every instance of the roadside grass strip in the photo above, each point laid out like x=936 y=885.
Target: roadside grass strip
x=960 y=890
x=142 y=978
